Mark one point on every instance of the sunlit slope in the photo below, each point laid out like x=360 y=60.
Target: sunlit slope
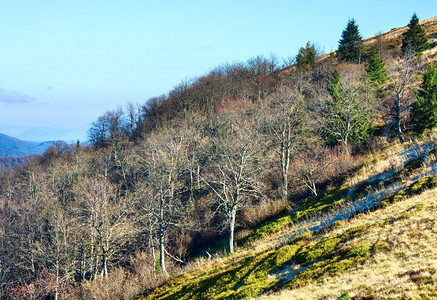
x=398 y=257
x=372 y=236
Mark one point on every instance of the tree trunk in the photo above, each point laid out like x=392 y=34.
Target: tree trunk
x=82 y=265
x=161 y=238
x=162 y=250
x=191 y=184
x=198 y=176
x=57 y=281
x=346 y=147
x=398 y=118
x=104 y=266
x=154 y=261
x=314 y=189
x=231 y=230
x=310 y=184
x=285 y=162
x=152 y=248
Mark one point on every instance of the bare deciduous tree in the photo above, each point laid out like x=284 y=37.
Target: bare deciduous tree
x=162 y=158
x=285 y=120
x=235 y=168
x=312 y=166
x=104 y=218
x=402 y=75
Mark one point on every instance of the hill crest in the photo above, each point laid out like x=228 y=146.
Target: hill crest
x=13 y=147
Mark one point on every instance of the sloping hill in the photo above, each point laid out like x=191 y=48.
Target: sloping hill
x=367 y=233
x=396 y=250
x=13 y=147
x=372 y=236
x=393 y=38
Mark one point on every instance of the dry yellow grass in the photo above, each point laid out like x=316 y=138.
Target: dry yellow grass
x=394 y=38
x=407 y=271
x=430 y=26
x=393 y=158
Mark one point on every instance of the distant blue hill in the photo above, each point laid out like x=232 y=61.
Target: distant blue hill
x=13 y=147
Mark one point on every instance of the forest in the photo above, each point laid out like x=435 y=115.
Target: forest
x=185 y=174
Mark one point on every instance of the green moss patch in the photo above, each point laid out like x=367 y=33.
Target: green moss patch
x=345 y=296
x=415 y=188
x=245 y=278
x=343 y=259
x=381 y=246
x=270 y=227
x=314 y=250
x=311 y=206
x=303 y=237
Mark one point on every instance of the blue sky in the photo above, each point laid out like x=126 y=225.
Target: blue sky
x=64 y=63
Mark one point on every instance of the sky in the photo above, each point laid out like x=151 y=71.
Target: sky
x=65 y=63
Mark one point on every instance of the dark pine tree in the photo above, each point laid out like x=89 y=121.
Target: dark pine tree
x=424 y=113
x=350 y=44
x=414 y=39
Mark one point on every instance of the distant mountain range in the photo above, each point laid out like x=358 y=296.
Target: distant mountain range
x=15 y=153
x=13 y=147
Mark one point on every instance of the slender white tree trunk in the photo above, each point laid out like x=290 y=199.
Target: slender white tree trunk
x=232 y=230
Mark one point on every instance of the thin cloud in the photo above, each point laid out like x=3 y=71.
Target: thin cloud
x=12 y=97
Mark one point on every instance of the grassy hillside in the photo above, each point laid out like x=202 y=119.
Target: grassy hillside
x=398 y=261
x=393 y=38
x=297 y=169
x=372 y=237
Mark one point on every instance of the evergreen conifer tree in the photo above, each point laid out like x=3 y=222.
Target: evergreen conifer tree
x=346 y=118
x=350 y=44
x=414 y=39
x=334 y=88
x=375 y=69
x=306 y=58
x=376 y=75
x=424 y=112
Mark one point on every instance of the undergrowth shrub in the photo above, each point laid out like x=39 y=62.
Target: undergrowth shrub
x=126 y=283
x=344 y=296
